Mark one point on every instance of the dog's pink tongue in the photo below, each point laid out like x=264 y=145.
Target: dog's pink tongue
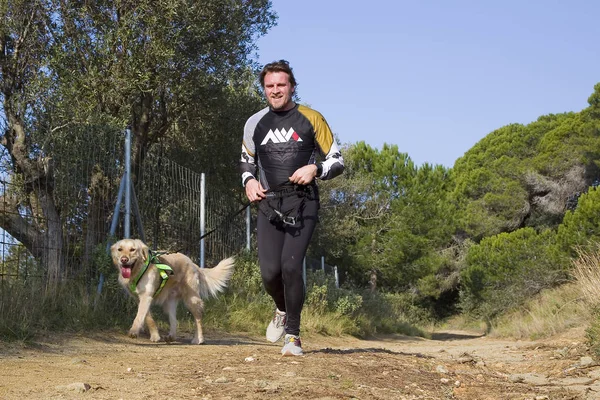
x=125 y=272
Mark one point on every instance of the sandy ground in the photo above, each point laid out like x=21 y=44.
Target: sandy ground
x=454 y=365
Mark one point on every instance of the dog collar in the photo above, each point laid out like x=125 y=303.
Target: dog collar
x=163 y=269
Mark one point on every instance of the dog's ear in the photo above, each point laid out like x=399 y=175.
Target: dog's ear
x=113 y=250
x=142 y=248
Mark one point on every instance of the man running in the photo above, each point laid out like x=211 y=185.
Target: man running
x=280 y=143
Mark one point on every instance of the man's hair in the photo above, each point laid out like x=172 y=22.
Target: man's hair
x=277 y=66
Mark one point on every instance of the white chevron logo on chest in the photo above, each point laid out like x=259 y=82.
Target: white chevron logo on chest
x=281 y=136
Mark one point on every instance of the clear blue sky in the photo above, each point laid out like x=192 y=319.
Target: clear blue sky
x=435 y=77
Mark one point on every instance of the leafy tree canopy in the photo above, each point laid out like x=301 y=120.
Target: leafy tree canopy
x=523 y=175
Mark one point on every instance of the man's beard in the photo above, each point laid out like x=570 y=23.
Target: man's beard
x=282 y=102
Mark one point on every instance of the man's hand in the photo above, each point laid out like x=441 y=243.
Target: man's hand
x=254 y=190
x=304 y=175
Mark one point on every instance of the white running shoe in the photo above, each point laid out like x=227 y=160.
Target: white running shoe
x=276 y=327
x=291 y=346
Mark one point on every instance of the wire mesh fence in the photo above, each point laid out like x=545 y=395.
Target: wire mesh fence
x=61 y=221
x=169 y=198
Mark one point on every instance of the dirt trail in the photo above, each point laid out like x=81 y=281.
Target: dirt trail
x=454 y=365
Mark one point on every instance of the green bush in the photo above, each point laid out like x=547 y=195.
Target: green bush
x=391 y=313
x=506 y=269
x=323 y=296
x=581 y=227
x=348 y=304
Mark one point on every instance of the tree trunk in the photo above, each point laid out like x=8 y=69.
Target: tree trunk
x=53 y=257
x=44 y=239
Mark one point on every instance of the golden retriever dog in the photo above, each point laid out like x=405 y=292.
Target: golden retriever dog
x=187 y=282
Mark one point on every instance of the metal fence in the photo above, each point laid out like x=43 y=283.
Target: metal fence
x=69 y=216
x=177 y=205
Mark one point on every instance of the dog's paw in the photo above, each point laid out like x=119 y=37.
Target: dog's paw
x=155 y=338
x=133 y=334
x=198 y=340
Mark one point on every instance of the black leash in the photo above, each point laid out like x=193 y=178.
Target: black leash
x=229 y=217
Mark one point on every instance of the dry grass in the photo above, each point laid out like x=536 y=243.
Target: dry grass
x=329 y=324
x=461 y=322
x=587 y=273
x=552 y=312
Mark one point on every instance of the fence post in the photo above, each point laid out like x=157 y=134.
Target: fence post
x=337 y=278
x=113 y=229
x=323 y=264
x=127 y=226
x=202 y=216
x=124 y=186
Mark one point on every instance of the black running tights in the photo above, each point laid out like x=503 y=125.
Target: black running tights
x=281 y=251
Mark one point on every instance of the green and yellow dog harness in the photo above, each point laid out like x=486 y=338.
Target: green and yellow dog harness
x=163 y=269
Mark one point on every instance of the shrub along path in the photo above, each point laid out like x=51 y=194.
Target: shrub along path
x=453 y=365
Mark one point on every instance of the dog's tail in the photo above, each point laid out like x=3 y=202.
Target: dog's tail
x=215 y=279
